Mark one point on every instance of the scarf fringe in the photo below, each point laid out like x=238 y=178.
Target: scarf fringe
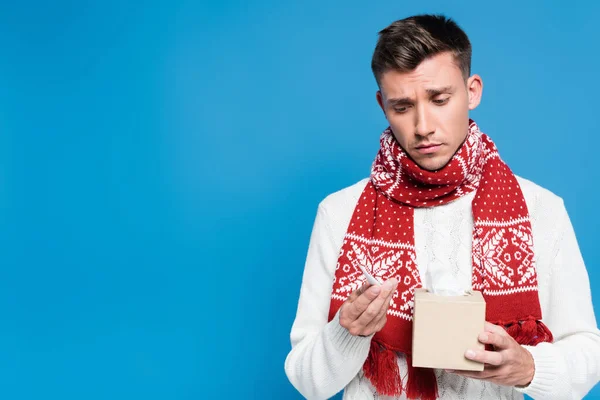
x=381 y=368
x=422 y=382
x=528 y=332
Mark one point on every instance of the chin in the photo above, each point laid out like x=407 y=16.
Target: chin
x=432 y=164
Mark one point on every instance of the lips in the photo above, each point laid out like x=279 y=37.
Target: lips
x=428 y=145
x=428 y=148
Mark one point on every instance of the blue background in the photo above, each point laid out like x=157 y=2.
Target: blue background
x=161 y=165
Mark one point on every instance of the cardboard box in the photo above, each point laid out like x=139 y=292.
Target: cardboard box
x=444 y=328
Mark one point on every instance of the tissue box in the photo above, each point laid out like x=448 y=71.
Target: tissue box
x=444 y=328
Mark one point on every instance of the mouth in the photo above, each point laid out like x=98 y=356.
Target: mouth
x=428 y=148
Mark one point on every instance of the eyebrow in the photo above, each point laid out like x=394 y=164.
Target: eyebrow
x=435 y=91
x=401 y=101
x=432 y=92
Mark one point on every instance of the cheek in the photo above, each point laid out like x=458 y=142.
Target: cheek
x=454 y=111
x=455 y=118
x=400 y=131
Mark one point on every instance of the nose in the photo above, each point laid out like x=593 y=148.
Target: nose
x=423 y=123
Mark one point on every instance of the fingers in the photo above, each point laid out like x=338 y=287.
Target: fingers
x=354 y=309
x=490 y=357
x=371 y=305
x=487 y=373
x=495 y=358
x=497 y=329
x=380 y=319
x=499 y=341
x=354 y=295
x=376 y=310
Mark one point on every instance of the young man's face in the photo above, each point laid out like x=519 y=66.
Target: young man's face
x=428 y=108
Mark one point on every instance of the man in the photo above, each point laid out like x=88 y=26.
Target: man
x=439 y=194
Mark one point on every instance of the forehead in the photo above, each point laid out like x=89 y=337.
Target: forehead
x=438 y=71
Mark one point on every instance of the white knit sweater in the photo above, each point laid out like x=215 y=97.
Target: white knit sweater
x=325 y=358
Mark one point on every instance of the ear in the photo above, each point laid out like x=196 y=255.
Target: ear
x=380 y=101
x=474 y=89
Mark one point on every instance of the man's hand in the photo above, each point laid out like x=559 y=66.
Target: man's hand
x=509 y=364
x=364 y=312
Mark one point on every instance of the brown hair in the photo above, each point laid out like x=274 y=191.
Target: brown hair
x=404 y=44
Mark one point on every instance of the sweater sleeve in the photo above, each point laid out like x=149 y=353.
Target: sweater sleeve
x=569 y=367
x=324 y=357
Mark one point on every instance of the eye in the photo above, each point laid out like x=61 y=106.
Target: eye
x=401 y=110
x=440 y=102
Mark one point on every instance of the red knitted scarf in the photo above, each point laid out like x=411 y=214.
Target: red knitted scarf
x=380 y=237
